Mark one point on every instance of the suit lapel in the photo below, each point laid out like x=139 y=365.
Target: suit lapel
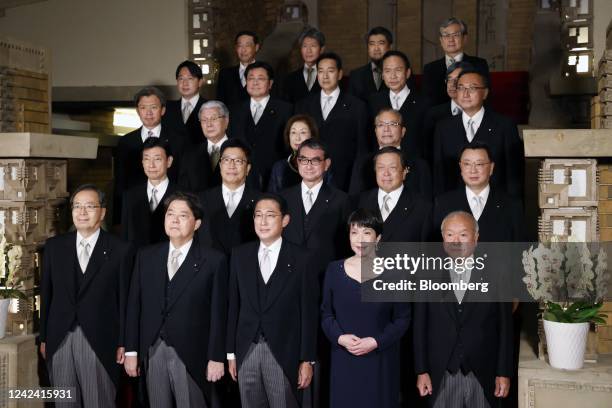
x=268 y=114
x=400 y=212
x=282 y=271
x=188 y=270
x=71 y=264
x=485 y=129
x=338 y=107
x=319 y=208
x=98 y=258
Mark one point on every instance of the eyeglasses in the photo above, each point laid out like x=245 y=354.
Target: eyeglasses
x=211 y=120
x=237 y=162
x=471 y=165
x=470 y=89
x=380 y=125
x=86 y=207
x=448 y=36
x=265 y=216
x=315 y=161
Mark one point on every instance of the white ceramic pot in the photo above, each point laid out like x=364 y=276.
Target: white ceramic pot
x=4 y=305
x=566 y=344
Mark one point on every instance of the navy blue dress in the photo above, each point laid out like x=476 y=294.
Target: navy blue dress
x=371 y=380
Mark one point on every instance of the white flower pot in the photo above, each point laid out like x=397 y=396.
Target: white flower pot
x=566 y=344
x=4 y=305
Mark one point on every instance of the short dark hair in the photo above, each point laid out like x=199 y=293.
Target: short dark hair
x=89 y=187
x=315 y=145
x=477 y=146
x=483 y=77
x=399 y=54
x=392 y=150
x=260 y=64
x=314 y=34
x=249 y=33
x=451 y=21
x=193 y=68
x=282 y=203
x=332 y=56
x=152 y=142
x=379 y=30
x=365 y=218
x=308 y=120
x=150 y=91
x=192 y=200
x=237 y=143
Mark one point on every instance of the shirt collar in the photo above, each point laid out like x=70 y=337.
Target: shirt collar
x=484 y=194
x=91 y=240
x=477 y=118
x=315 y=189
x=225 y=190
x=456 y=58
x=192 y=101
x=156 y=131
x=274 y=247
x=242 y=67
x=374 y=66
x=184 y=249
x=403 y=94
x=395 y=194
x=455 y=106
x=335 y=93
x=163 y=185
x=263 y=102
x=218 y=144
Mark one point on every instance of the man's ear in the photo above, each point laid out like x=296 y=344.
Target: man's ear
x=286 y=219
x=198 y=223
x=170 y=160
x=340 y=73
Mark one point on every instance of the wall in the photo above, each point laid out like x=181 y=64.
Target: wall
x=602 y=16
x=105 y=43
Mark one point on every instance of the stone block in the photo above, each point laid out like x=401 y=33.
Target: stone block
x=568 y=183
x=563 y=223
x=24 y=222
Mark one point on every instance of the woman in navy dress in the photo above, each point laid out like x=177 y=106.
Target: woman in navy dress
x=364 y=336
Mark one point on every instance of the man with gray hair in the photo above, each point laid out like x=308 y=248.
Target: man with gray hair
x=303 y=81
x=200 y=169
x=453 y=39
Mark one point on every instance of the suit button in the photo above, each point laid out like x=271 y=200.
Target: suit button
x=460 y=310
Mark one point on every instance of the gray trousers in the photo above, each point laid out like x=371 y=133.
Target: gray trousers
x=460 y=391
x=75 y=364
x=168 y=381
x=262 y=382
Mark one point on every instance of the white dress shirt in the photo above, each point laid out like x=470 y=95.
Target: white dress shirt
x=482 y=197
x=401 y=97
x=334 y=98
x=241 y=69
x=192 y=103
x=315 y=193
x=476 y=119
x=455 y=109
x=456 y=58
x=263 y=102
x=237 y=194
x=91 y=240
x=461 y=277
x=217 y=145
x=144 y=132
x=314 y=75
x=161 y=189
x=395 y=195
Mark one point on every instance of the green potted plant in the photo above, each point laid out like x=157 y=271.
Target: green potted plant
x=571 y=281
x=10 y=283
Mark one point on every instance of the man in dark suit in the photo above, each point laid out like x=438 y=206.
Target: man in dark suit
x=200 y=167
x=397 y=95
x=367 y=79
x=477 y=124
x=444 y=110
x=342 y=119
x=231 y=83
x=177 y=311
x=182 y=115
x=151 y=106
x=303 y=81
x=229 y=207
x=499 y=216
x=462 y=350
x=272 y=317
x=142 y=214
x=84 y=291
x=390 y=131
x=406 y=215
x=260 y=121
x=453 y=37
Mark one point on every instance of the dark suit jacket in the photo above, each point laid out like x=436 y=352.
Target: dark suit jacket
x=361 y=82
x=229 y=87
x=140 y=226
x=483 y=329
x=500 y=221
x=434 y=76
x=418 y=179
x=173 y=118
x=265 y=138
x=218 y=229
x=499 y=133
x=97 y=305
x=345 y=131
x=128 y=163
x=289 y=317
x=433 y=115
x=294 y=86
x=196 y=173
x=190 y=314
x=412 y=110
x=326 y=234
x=410 y=220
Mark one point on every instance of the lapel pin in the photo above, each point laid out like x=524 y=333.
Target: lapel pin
x=405 y=209
x=327 y=201
x=489 y=130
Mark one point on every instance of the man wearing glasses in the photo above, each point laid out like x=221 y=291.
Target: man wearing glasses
x=272 y=315
x=499 y=216
x=229 y=207
x=200 y=168
x=477 y=123
x=84 y=290
x=453 y=38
